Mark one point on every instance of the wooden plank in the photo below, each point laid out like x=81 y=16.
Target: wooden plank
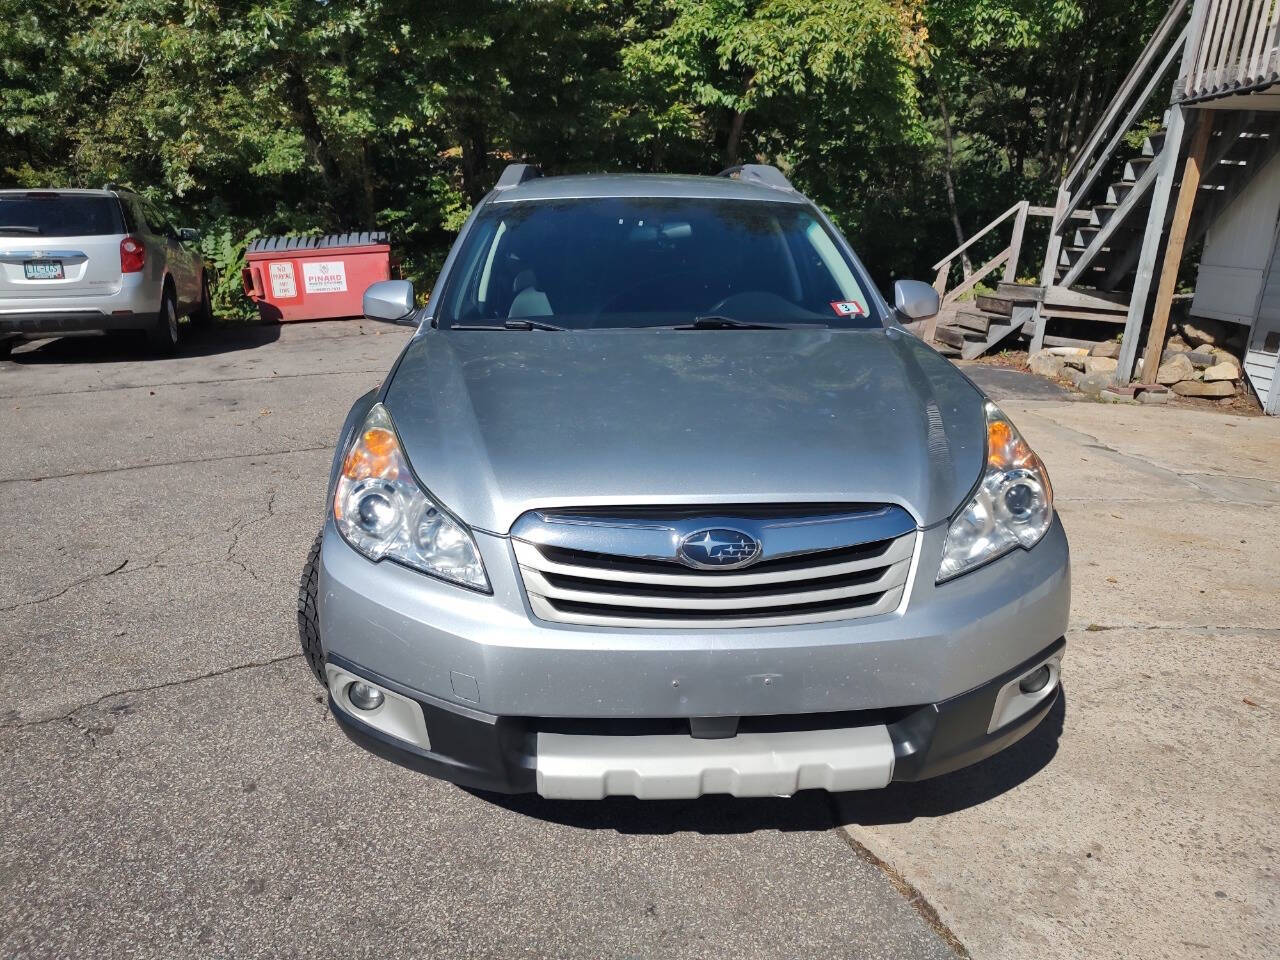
x=978 y=276
x=1070 y=342
x=969 y=320
x=1165 y=167
x=1015 y=244
x=1001 y=306
x=1089 y=300
x=1020 y=292
x=946 y=261
x=950 y=336
x=1173 y=249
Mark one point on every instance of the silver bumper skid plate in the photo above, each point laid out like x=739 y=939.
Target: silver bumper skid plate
x=672 y=767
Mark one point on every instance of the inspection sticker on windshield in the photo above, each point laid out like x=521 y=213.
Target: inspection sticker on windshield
x=325 y=276
x=847 y=308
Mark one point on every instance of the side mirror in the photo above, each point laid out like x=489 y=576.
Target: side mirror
x=189 y=235
x=390 y=301
x=915 y=300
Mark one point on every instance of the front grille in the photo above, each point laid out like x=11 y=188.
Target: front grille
x=602 y=570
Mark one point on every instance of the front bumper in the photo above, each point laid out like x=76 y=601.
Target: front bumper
x=500 y=690
x=769 y=756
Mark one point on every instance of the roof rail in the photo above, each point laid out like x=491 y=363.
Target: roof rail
x=762 y=173
x=516 y=174
x=117 y=187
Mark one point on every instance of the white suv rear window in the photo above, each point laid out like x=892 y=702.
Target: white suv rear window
x=43 y=214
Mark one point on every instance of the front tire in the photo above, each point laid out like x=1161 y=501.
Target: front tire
x=162 y=337
x=309 y=615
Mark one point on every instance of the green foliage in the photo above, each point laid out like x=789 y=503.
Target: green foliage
x=249 y=117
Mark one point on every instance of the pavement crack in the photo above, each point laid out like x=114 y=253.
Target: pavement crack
x=70 y=715
x=1198 y=629
x=167 y=463
x=238 y=527
x=69 y=587
x=915 y=899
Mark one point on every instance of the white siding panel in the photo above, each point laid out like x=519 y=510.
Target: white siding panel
x=1237 y=249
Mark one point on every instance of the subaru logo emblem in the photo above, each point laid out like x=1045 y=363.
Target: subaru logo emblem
x=718 y=548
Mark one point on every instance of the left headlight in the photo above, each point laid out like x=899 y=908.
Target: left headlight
x=380 y=509
x=1013 y=506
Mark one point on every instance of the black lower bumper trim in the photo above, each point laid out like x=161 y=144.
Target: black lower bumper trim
x=73 y=321
x=487 y=752
x=951 y=734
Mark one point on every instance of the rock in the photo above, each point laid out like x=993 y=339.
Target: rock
x=1153 y=396
x=1225 y=356
x=1177 y=344
x=1094 y=383
x=1100 y=365
x=1072 y=375
x=1045 y=364
x=1200 y=330
x=1221 y=371
x=1108 y=348
x=1076 y=361
x=1169 y=353
x=1178 y=368
x=1066 y=351
x=1194 y=388
x=1202 y=358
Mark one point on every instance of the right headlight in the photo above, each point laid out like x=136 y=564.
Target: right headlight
x=382 y=511
x=1013 y=505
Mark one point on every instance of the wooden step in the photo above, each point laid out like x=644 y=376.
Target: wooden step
x=974 y=320
x=999 y=306
x=1020 y=292
x=951 y=336
x=1135 y=168
x=1154 y=143
x=1100 y=215
x=1118 y=191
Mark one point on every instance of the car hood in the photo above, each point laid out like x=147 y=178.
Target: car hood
x=496 y=423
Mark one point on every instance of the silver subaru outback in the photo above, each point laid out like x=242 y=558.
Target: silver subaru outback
x=95 y=260
x=662 y=500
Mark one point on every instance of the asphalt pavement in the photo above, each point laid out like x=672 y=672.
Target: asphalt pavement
x=173 y=785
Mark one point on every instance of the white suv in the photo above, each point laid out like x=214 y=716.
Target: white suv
x=77 y=260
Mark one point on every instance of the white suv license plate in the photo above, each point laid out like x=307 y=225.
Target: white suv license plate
x=43 y=269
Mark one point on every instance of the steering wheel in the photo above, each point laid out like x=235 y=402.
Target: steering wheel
x=649 y=281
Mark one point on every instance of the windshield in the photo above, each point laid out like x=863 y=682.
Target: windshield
x=645 y=262
x=59 y=215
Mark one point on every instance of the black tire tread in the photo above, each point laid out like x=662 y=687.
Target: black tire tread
x=309 y=615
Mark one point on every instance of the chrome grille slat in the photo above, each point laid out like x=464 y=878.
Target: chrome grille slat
x=530 y=557
x=892 y=575
x=814 y=568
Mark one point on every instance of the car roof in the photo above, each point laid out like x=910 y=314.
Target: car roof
x=23 y=191
x=643 y=185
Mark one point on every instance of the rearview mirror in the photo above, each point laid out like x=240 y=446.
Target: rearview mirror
x=915 y=300
x=189 y=235
x=390 y=301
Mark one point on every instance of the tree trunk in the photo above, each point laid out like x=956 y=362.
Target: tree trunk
x=949 y=141
x=313 y=134
x=737 y=121
x=475 y=162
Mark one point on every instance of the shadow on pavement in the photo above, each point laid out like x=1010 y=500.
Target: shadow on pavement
x=127 y=347
x=811 y=809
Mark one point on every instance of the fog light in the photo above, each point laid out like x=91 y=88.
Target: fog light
x=365 y=697
x=1035 y=682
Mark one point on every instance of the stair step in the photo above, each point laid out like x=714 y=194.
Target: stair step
x=1084 y=236
x=1000 y=306
x=1118 y=191
x=951 y=336
x=1154 y=143
x=1020 y=292
x=1101 y=215
x=1070 y=256
x=946 y=349
x=1135 y=168
x=973 y=320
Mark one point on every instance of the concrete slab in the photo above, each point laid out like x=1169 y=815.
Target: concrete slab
x=1141 y=819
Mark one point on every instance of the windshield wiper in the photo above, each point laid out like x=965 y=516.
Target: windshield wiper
x=16 y=228
x=717 y=322
x=520 y=324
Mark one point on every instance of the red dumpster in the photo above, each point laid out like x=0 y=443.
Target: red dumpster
x=314 y=278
